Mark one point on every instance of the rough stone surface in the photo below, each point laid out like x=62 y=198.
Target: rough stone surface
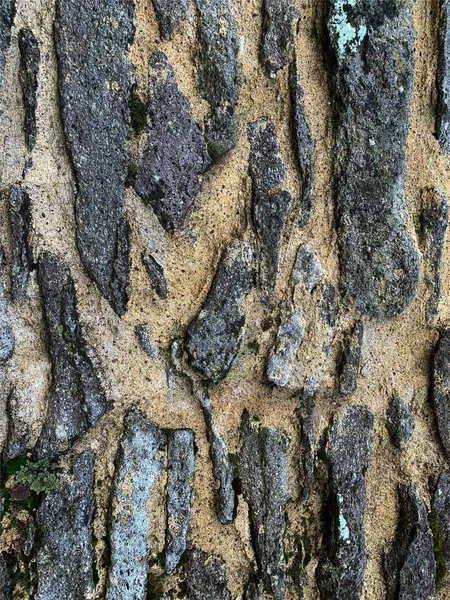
x=271 y=201
x=169 y=13
x=410 y=567
x=263 y=470
x=372 y=48
x=441 y=389
x=144 y=336
x=443 y=78
x=174 y=156
x=139 y=465
x=214 y=336
x=20 y=223
x=341 y=569
x=441 y=507
x=5 y=581
x=279 y=21
x=95 y=111
x=218 y=73
x=289 y=337
x=303 y=144
x=180 y=479
x=155 y=271
x=434 y=219
x=307 y=448
x=400 y=422
x=351 y=356
x=30 y=58
x=7 y=13
x=65 y=555
x=206 y=577
x=18 y=430
x=7 y=341
x=307 y=270
x=76 y=400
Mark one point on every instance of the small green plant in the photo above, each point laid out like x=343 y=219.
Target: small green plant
x=138 y=114
x=253 y=345
x=37 y=476
x=441 y=564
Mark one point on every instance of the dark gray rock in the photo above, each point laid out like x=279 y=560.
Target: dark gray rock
x=214 y=336
x=254 y=590
x=5 y=581
x=307 y=270
x=65 y=555
x=174 y=156
x=409 y=565
x=441 y=389
x=155 y=272
x=400 y=422
x=303 y=144
x=206 y=577
x=218 y=73
x=434 y=220
x=270 y=201
x=20 y=222
x=139 y=465
x=443 y=77
x=341 y=570
x=95 y=80
x=7 y=14
x=169 y=13
x=225 y=497
x=263 y=471
x=372 y=46
x=30 y=58
x=351 y=356
x=307 y=468
x=7 y=341
x=289 y=337
x=18 y=431
x=180 y=481
x=76 y=400
x=441 y=508
x=144 y=336
x=279 y=21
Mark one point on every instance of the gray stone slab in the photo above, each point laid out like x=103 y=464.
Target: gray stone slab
x=30 y=58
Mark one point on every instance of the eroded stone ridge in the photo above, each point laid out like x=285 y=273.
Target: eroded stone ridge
x=65 y=555
x=279 y=21
x=400 y=422
x=443 y=77
x=169 y=13
x=76 y=400
x=218 y=73
x=351 y=356
x=410 y=566
x=434 y=220
x=175 y=155
x=155 y=272
x=341 y=570
x=30 y=58
x=20 y=222
x=7 y=341
x=206 y=577
x=441 y=389
x=441 y=508
x=289 y=337
x=270 y=200
x=95 y=78
x=214 y=336
x=372 y=46
x=7 y=13
x=263 y=470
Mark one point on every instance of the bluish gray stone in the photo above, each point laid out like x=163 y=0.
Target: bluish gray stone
x=409 y=565
x=65 y=555
x=174 y=156
x=289 y=337
x=279 y=21
x=372 y=48
x=341 y=569
x=95 y=79
x=30 y=58
x=443 y=77
x=214 y=336
x=5 y=581
x=307 y=270
x=270 y=200
x=7 y=14
x=7 y=341
x=155 y=272
x=180 y=481
x=351 y=356
x=139 y=465
x=440 y=392
x=400 y=422
x=169 y=13
x=76 y=400
x=264 y=475
x=20 y=222
x=206 y=577
x=144 y=336
x=218 y=73
x=441 y=508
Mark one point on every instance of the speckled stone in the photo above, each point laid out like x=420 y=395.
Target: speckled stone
x=206 y=577
x=7 y=14
x=169 y=14
x=279 y=21
x=443 y=77
x=20 y=223
x=440 y=391
x=30 y=58
x=351 y=356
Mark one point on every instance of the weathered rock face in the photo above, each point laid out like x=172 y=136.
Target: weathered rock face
x=65 y=555
x=341 y=570
x=289 y=337
x=5 y=581
x=218 y=73
x=400 y=422
x=351 y=356
x=20 y=222
x=441 y=507
x=155 y=273
x=410 y=567
x=372 y=47
x=76 y=400
x=175 y=155
x=206 y=577
x=7 y=341
x=270 y=201
x=95 y=110
x=169 y=13
x=214 y=336
x=263 y=469
x=279 y=21
x=8 y=9
x=441 y=389
x=30 y=58
x=443 y=78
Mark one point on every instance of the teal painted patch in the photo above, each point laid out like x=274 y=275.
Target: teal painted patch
x=348 y=36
